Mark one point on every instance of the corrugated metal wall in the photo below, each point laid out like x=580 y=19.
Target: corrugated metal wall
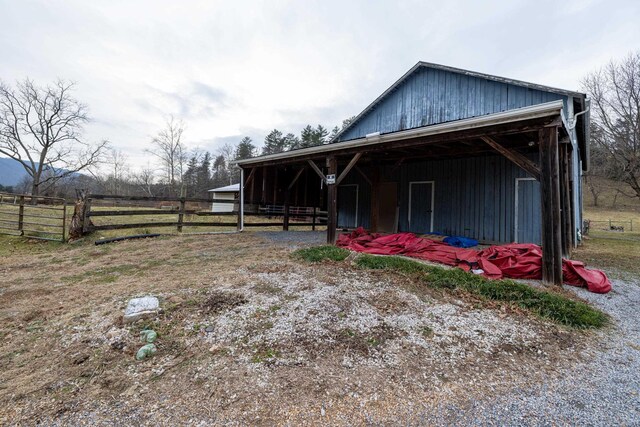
x=473 y=197
x=431 y=96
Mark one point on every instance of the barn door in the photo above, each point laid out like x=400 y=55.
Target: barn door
x=527 y=225
x=348 y=206
x=421 y=198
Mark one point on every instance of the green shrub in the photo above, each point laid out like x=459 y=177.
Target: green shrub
x=321 y=253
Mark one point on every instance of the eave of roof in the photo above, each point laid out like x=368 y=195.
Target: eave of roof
x=226 y=189
x=422 y=64
x=510 y=116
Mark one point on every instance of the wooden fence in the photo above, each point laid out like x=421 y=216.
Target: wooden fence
x=182 y=213
x=610 y=225
x=35 y=217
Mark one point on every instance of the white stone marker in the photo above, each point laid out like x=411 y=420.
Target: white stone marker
x=138 y=308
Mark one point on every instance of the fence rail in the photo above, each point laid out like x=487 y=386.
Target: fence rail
x=608 y=225
x=18 y=210
x=185 y=214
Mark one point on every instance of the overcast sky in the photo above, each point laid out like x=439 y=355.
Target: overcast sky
x=236 y=68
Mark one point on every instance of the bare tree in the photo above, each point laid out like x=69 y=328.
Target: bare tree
x=615 y=102
x=227 y=151
x=171 y=152
x=145 y=180
x=118 y=162
x=41 y=128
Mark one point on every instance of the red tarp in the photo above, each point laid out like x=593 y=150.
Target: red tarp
x=516 y=260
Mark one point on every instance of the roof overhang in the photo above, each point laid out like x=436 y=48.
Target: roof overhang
x=548 y=109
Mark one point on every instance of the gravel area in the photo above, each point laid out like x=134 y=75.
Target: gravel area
x=294 y=239
x=603 y=391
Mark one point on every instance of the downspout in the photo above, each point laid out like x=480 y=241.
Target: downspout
x=241 y=207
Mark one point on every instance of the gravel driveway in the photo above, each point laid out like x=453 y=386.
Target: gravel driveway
x=604 y=391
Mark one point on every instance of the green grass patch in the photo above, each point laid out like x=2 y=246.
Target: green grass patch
x=321 y=253
x=545 y=304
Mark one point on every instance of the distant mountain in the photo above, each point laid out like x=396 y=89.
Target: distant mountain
x=11 y=172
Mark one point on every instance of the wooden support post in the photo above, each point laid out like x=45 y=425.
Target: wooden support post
x=332 y=201
x=275 y=186
x=375 y=198
x=263 y=196
x=181 y=214
x=313 y=219
x=285 y=222
x=550 y=201
x=21 y=216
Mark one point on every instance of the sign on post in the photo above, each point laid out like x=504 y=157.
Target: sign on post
x=331 y=179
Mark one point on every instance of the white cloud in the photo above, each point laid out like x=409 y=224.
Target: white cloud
x=230 y=69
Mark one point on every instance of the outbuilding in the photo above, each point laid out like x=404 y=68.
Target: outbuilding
x=451 y=151
x=229 y=192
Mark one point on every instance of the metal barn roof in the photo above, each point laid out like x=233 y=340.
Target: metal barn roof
x=227 y=189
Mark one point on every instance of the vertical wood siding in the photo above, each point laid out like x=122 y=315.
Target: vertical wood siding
x=474 y=197
x=431 y=96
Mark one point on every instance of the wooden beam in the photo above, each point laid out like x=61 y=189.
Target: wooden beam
x=515 y=157
x=366 y=178
x=397 y=164
x=317 y=170
x=332 y=201
x=346 y=170
x=296 y=178
x=503 y=129
x=250 y=177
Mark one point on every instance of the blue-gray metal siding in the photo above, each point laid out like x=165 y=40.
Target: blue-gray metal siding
x=474 y=197
x=430 y=96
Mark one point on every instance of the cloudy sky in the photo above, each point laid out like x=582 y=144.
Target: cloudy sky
x=237 y=68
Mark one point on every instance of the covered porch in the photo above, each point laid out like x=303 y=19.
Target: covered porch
x=498 y=178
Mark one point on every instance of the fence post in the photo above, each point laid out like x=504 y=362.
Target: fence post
x=181 y=214
x=313 y=220
x=609 y=223
x=64 y=220
x=21 y=215
x=86 y=217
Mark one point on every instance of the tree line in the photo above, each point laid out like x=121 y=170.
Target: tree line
x=41 y=127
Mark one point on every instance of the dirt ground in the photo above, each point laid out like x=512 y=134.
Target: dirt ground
x=248 y=335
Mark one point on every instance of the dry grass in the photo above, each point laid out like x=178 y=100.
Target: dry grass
x=617 y=252
x=288 y=340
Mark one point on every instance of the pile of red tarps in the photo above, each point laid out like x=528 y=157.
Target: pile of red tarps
x=518 y=261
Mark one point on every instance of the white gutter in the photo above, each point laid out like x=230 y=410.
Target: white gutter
x=519 y=114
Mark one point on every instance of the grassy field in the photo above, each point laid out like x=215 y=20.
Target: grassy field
x=615 y=251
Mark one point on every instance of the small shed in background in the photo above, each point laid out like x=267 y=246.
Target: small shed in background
x=229 y=192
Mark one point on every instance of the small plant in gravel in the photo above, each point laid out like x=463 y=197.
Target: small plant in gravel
x=265 y=354
x=545 y=304
x=321 y=253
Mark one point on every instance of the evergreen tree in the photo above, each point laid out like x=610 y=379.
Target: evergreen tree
x=220 y=175
x=310 y=137
x=291 y=142
x=274 y=142
x=190 y=177
x=245 y=149
x=203 y=176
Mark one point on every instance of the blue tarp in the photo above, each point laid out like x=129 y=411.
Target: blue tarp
x=460 y=242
